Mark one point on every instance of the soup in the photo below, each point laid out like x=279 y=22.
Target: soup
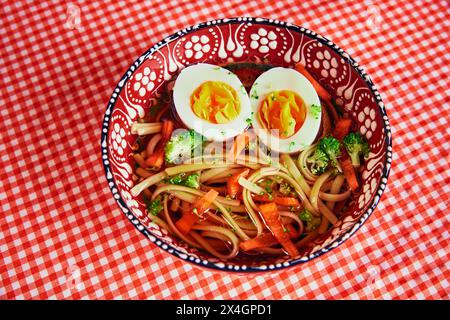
x=231 y=194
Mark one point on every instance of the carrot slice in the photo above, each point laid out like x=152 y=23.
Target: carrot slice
x=349 y=173
x=239 y=145
x=233 y=186
x=199 y=207
x=282 y=201
x=269 y=212
x=156 y=159
x=342 y=128
x=323 y=94
x=266 y=239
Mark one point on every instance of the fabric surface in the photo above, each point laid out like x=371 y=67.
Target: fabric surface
x=62 y=234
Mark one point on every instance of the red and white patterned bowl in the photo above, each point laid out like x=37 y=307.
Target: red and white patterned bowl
x=253 y=40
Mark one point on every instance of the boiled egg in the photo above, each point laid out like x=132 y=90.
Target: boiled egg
x=286 y=110
x=212 y=101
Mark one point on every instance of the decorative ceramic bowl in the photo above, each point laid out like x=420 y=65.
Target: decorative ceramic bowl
x=254 y=40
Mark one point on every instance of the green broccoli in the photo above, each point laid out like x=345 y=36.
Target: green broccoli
x=191 y=181
x=285 y=189
x=181 y=146
x=312 y=222
x=332 y=147
x=154 y=207
x=356 y=147
x=319 y=161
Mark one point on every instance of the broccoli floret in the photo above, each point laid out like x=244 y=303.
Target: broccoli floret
x=312 y=222
x=332 y=147
x=285 y=189
x=191 y=181
x=154 y=207
x=181 y=146
x=356 y=147
x=319 y=161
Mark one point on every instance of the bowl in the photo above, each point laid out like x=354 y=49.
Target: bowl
x=254 y=40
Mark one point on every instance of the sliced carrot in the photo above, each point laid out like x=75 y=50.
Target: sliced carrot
x=349 y=173
x=185 y=223
x=282 y=201
x=156 y=159
x=323 y=94
x=269 y=212
x=266 y=239
x=233 y=186
x=239 y=145
x=199 y=207
x=342 y=128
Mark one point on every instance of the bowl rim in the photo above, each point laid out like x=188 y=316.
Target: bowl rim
x=205 y=264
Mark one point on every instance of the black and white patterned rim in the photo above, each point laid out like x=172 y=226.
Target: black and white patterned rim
x=225 y=266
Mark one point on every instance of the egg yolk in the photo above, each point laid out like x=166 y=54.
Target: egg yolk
x=216 y=102
x=283 y=111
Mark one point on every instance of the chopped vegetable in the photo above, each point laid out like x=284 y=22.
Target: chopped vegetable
x=319 y=161
x=349 y=174
x=285 y=189
x=154 y=207
x=182 y=146
x=239 y=145
x=156 y=159
x=356 y=147
x=312 y=222
x=266 y=239
x=233 y=186
x=332 y=147
x=191 y=181
x=282 y=201
x=342 y=128
x=316 y=110
x=269 y=213
x=198 y=208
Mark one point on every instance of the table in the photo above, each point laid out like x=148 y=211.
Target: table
x=63 y=236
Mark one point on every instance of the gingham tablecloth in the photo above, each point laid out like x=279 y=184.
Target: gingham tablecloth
x=63 y=236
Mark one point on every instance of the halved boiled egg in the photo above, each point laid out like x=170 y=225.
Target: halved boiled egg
x=286 y=108
x=212 y=101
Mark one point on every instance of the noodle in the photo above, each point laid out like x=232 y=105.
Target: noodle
x=143 y=129
x=293 y=170
x=152 y=143
x=174 y=228
x=154 y=179
x=314 y=196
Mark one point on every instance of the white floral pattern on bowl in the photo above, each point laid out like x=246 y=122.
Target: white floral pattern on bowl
x=197 y=46
x=118 y=139
x=144 y=81
x=263 y=40
x=326 y=64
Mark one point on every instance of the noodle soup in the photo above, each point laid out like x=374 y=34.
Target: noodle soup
x=245 y=160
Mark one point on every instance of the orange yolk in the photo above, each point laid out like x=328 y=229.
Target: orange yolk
x=283 y=111
x=215 y=101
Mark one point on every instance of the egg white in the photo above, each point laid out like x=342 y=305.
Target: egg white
x=277 y=79
x=189 y=79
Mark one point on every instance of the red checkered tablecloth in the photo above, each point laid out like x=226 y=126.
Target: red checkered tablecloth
x=63 y=236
